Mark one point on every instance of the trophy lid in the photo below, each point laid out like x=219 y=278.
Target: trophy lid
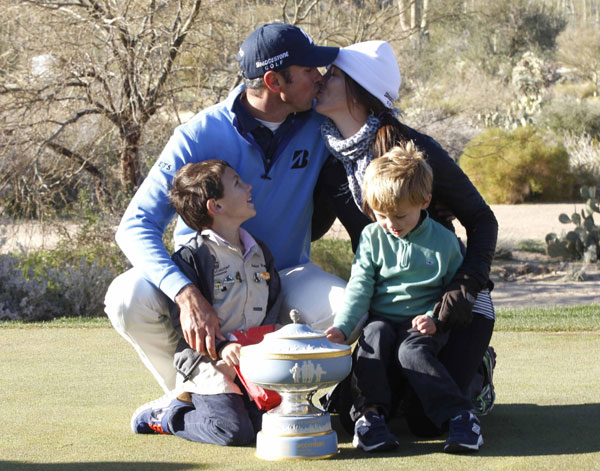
x=296 y=341
x=296 y=330
x=297 y=338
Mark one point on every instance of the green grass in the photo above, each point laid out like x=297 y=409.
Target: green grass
x=61 y=323
x=535 y=319
x=531 y=245
x=69 y=391
x=549 y=319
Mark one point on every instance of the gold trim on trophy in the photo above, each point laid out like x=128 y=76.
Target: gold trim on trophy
x=315 y=434
x=291 y=458
x=298 y=356
x=295 y=387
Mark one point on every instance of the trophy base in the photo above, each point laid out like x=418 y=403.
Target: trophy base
x=296 y=437
x=301 y=425
x=275 y=448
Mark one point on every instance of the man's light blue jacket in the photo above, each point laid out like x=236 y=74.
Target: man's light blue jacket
x=283 y=195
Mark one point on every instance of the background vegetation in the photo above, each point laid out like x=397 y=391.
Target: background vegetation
x=91 y=90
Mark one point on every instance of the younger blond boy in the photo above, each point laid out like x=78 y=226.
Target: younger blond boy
x=402 y=264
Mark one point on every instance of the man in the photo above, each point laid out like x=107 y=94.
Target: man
x=270 y=135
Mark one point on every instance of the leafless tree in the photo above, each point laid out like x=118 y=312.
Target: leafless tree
x=81 y=60
x=579 y=49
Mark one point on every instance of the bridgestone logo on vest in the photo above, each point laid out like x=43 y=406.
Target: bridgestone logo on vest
x=273 y=59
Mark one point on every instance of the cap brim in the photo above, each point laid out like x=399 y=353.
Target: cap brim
x=319 y=56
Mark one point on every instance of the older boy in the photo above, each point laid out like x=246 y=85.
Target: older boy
x=402 y=264
x=236 y=274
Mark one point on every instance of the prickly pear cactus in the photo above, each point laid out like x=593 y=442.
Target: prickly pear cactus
x=583 y=242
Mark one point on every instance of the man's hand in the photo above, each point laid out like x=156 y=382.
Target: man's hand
x=424 y=324
x=199 y=321
x=335 y=335
x=231 y=354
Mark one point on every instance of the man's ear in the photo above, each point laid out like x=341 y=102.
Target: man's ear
x=272 y=81
x=213 y=207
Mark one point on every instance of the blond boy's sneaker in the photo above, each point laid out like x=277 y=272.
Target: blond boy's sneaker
x=372 y=434
x=464 y=435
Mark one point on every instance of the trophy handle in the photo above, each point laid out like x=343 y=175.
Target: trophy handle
x=295 y=316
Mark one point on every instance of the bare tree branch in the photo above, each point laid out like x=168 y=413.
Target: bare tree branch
x=60 y=149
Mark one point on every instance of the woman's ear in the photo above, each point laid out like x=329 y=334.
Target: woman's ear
x=213 y=207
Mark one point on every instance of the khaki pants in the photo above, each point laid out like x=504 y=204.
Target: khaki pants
x=140 y=313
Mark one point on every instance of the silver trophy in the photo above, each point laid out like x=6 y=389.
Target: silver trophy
x=295 y=361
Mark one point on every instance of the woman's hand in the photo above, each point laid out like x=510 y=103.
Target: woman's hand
x=424 y=324
x=455 y=310
x=335 y=335
x=231 y=354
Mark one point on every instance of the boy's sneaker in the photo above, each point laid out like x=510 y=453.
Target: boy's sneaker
x=464 y=435
x=371 y=434
x=153 y=416
x=483 y=403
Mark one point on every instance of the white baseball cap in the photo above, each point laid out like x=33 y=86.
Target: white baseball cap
x=373 y=65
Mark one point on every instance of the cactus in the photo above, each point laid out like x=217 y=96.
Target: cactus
x=583 y=242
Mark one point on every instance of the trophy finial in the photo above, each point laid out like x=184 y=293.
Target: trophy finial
x=295 y=316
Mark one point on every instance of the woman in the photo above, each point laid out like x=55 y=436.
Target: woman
x=357 y=97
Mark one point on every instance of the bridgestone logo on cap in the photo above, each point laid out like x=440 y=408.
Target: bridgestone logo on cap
x=270 y=60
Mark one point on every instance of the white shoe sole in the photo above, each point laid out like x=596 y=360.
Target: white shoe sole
x=155 y=404
x=463 y=447
x=383 y=446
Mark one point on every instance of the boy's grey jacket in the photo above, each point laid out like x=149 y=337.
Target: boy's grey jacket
x=196 y=262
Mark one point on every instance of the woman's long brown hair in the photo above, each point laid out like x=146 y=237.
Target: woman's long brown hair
x=392 y=132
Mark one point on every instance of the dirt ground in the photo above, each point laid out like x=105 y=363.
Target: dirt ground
x=522 y=279
x=532 y=279
x=25 y=236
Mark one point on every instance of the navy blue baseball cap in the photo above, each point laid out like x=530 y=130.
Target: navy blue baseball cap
x=275 y=46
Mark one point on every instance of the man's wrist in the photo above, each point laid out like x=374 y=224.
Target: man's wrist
x=184 y=288
x=173 y=283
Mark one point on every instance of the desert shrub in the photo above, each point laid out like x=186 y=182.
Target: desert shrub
x=584 y=158
x=531 y=245
x=521 y=165
x=568 y=114
x=529 y=79
x=575 y=89
x=41 y=293
x=451 y=131
x=334 y=256
x=68 y=281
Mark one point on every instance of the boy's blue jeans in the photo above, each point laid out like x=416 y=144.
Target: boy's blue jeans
x=219 y=419
x=388 y=348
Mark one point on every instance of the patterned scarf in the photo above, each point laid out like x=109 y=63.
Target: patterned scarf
x=355 y=153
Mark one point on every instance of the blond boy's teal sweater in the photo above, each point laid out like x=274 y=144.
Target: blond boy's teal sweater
x=398 y=278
